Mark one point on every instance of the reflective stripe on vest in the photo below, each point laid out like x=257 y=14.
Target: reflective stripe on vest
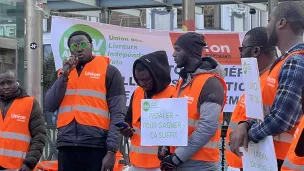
x=288 y=164
x=47 y=164
x=15 y=136
x=143 y=150
x=212 y=144
x=12 y=153
x=283 y=137
x=82 y=92
x=84 y=109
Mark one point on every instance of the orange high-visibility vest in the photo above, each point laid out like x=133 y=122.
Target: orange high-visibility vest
x=142 y=156
x=211 y=151
x=283 y=140
x=15 y=136
x=118 y=163
x=47 y=166
x=85 y=97
x=293 y=162
x=238 y=115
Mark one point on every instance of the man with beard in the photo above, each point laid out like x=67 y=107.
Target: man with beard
x=152 y=73
x=282 y=93
x=22 y=126
x=90 y=98
x=205 y=90
x=254 y=45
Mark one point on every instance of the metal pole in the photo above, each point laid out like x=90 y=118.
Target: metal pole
x=271 y=5
x=188 y=15
x=251 y=21
x=33 y=48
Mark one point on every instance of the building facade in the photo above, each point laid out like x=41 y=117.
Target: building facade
x=12 y=37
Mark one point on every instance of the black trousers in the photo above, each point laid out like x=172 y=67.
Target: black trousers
x=80 y=158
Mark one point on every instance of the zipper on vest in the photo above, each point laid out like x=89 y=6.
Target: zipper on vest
x=76 y=125
x=74 y=108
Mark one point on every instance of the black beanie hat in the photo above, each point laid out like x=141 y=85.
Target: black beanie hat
x=193 y=43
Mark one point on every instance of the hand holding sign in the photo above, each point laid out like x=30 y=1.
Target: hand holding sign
x=239 y=138
x=260 y=156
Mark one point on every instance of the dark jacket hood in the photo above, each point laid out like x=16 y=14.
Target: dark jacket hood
x=206 y=65
x=158 y=65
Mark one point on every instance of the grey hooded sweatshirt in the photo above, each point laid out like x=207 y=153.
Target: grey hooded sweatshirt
x=210 y=107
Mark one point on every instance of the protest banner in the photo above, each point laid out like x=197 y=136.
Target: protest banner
x=162 y=124
x=124 y=45
x=260 y=156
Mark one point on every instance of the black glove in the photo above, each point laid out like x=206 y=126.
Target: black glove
x=169 y=162
x=163 y=151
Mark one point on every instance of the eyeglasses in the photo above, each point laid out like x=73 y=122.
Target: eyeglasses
x=80 y=46
x=242 y=47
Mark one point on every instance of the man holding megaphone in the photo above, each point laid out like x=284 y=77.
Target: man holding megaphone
x=90 y=97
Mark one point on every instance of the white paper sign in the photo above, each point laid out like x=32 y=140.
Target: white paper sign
x=164 y=122
x=253 y=96
x=260 y=156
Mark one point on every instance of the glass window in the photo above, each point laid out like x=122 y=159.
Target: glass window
x=7 y=19
x=7 y=59
x=12 y=36
x=209 y=12
x=47 y=50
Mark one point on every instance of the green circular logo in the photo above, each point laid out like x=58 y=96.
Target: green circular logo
x=245 y=68
x=98 y=41
x=146 y=106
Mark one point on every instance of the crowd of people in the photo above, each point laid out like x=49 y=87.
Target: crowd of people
x=89 y=96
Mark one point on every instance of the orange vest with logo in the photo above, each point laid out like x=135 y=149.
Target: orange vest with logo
x=144 y=156
x=211 y=151
x=282 y=141
x=85 y=96
x=293 y=162
x=238 y=115
x=15 y=136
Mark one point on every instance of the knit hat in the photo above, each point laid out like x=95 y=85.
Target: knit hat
x=193 y=43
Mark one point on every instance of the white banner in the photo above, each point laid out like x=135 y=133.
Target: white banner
x=125 y=45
